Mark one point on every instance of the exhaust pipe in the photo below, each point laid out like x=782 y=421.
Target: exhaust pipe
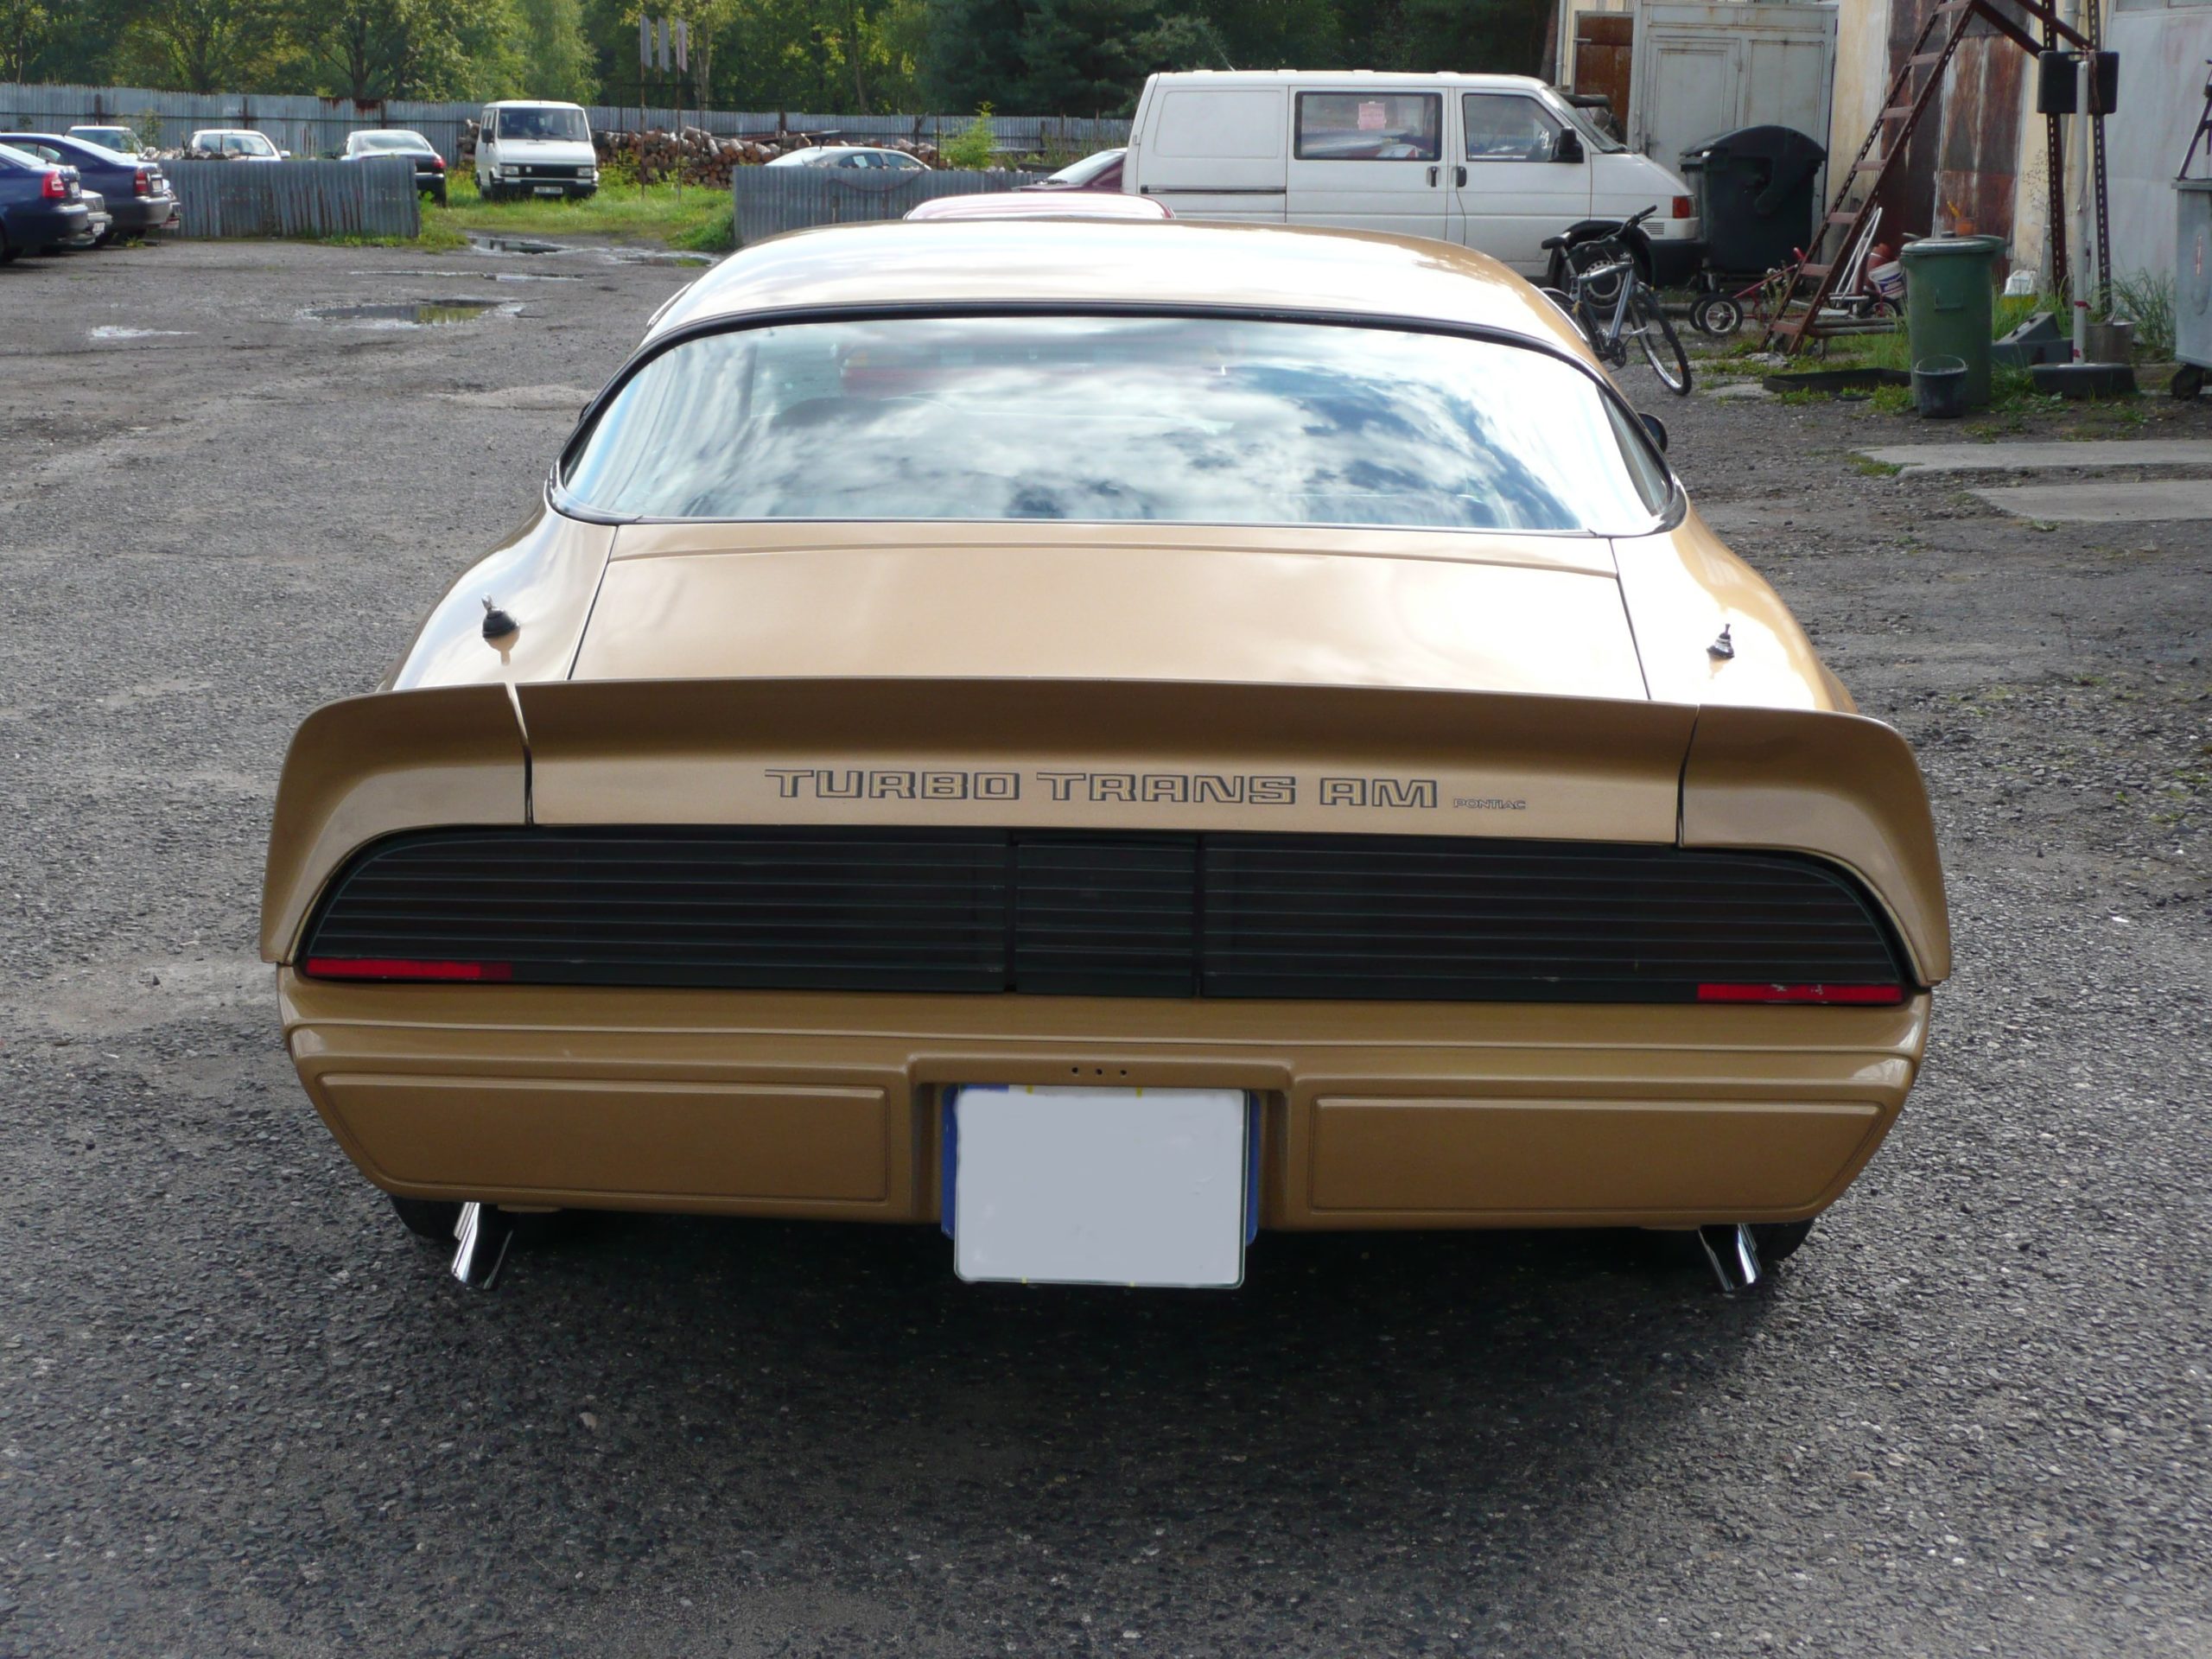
x=1734 y=1254
x=481 y=1236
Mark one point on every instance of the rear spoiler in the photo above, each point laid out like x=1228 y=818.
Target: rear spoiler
x=1090 y=755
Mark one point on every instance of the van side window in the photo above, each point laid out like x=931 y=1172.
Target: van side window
x=1507 y=127
x=1370 y=126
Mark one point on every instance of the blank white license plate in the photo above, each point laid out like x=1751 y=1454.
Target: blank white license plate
x=1098 y=1186
x=548 y=190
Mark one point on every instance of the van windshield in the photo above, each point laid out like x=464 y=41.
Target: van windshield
x=1592 y=135
x=1176 y=420
x=544 y=121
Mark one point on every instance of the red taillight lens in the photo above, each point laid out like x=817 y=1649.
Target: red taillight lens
x=140 y=184
x=392 y=967
x=55 y=187
x=1683 y=207
x=439 y=163
x=1882 y=996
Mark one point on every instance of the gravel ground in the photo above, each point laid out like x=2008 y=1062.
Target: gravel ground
x=241 y=1412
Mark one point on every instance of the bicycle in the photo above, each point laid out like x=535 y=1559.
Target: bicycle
x=1610 y=304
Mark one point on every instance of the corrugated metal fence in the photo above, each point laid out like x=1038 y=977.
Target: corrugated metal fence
x=297 y=198
x=772 y=198
x=318 y=126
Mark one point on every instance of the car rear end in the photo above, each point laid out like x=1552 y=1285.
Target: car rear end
x=41 y=205
x=150 y=204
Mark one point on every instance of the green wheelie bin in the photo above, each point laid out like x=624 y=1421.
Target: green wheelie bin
x=1949 y=309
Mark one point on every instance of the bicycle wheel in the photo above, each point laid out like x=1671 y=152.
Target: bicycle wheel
x=1717 y=314
x=1661 y=346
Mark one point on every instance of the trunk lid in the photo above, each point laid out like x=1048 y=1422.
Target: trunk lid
x=1532 y=616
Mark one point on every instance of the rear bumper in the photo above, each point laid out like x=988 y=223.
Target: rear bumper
x=1374 y=1116
x=46 y=225
x=135 y=214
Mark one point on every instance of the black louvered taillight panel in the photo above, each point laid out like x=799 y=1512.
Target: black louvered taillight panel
x=1400 y=917
x=1452 y=920
x=796 y=910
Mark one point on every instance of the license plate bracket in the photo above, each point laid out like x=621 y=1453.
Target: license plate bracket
x=1046 y=1183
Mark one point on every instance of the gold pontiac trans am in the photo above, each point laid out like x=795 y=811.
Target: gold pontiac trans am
x=1108 y=737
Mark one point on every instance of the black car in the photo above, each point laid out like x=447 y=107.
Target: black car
x=430 y=166
x=41 y=205
x=138 y=196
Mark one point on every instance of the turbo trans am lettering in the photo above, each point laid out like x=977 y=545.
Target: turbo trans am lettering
x=1101 y=788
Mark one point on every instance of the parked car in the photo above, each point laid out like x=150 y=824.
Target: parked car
x=430 y=166
x=1248 y=734
x=1021 y=204
x=852 y=156
x=1100 y=172
x=1493 y=162
x=236 y=144
x=121 y=140
x=137 y=192
x=529 y=147
x=41 y=205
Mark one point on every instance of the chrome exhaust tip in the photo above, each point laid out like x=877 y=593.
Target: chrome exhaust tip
x=481 y=1237
x=1734 y=1254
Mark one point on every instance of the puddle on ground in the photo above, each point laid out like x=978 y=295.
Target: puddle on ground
x=409 y=313
x=480 y=242
x=483 y=244
x=475 y=276
x=114 y=331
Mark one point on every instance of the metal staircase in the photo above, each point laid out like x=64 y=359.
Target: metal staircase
x=1835 y=246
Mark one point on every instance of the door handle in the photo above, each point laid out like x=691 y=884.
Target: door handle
x=1459 y=177
x=1433 y=173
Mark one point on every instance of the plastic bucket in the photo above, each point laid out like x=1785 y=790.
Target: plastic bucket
x=1939 y=387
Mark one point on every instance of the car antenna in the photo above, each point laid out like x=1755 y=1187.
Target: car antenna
x=1724 y=647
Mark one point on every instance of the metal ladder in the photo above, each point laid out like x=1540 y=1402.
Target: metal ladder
x=1832 y=257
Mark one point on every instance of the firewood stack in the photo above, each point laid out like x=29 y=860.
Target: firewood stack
x=706 y=158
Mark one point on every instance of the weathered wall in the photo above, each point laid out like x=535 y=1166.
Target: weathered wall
x=2162 y=69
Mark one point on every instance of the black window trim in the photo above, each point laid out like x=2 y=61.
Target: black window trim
x=1664 y=518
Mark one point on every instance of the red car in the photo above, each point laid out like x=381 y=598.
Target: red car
x=1099 y=172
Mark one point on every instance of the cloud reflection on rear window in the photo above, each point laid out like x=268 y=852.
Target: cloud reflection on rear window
x=1179 y=420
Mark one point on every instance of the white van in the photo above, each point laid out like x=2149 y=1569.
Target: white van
x=526 y=147
x=1495 y=162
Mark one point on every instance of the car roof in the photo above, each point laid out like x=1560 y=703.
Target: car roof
x=531 y=104
x=1069 y=261
x=1042 y=204
x=1354 y=79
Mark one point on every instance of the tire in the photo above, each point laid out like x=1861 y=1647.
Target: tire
x=1716 y=316
x=1779 y=1240
x=1661 y=347
x=2188 y=381
x=7 y=250
x=105 y=238
x=431 y=1218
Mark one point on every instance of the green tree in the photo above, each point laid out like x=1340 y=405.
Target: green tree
x=202 y=46
x=24 y=28
x=554 y=59
x=365 y=49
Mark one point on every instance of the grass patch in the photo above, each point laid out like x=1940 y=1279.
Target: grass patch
x=700 y=222
x=1868 y=466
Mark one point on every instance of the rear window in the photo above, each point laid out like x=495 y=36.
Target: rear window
x=1177 y=420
